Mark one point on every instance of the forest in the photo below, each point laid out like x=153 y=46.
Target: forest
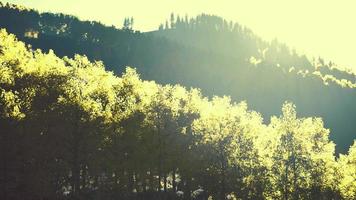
x=234 y=60
x=89 y=111
x=72 y=130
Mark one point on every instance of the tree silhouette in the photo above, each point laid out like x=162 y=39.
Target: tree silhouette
x=173 y=21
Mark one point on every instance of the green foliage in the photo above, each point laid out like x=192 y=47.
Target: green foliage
x=303 y=157
x=71 y=129
x=234 y=61
x=347 y=166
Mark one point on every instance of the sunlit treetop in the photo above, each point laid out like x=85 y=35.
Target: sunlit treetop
x=122 y=121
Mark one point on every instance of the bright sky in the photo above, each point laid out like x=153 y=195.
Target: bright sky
x=314 y=27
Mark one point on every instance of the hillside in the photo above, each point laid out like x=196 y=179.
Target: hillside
x=72 y=130
x=220 y=57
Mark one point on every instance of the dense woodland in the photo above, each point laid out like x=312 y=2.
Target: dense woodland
x=72 y=127
x=234 y=62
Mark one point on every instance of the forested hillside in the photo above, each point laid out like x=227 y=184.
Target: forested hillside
x=220 y=57
x=72 y=130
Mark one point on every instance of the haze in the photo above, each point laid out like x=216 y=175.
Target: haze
x=316 y=28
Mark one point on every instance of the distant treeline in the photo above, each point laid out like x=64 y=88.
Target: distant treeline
x=208 y=52
x=71 y=130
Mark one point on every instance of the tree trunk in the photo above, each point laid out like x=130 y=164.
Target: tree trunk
x=144 y=182
x=76 y=172
x=223 y=171
x=84 y=175
x=116 y=179
x=286 y=183
x=165 y=182
x=187 y=192
x=159 y=159
x=131 y=181
x=174 y=185
x=4 y=141
x=151 y=180
x=76 y=161
x=223 y=189
x=295 y=185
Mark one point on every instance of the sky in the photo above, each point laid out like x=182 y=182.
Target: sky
x=325 y=28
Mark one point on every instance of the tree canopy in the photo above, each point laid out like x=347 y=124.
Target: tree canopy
x=72 y=130
x=234 y=61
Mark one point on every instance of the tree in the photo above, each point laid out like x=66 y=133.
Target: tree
x=229 y=137
x=302 y=155
x=127 y=24
x=173 y=21
x=347 y=163
x=131 y=23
